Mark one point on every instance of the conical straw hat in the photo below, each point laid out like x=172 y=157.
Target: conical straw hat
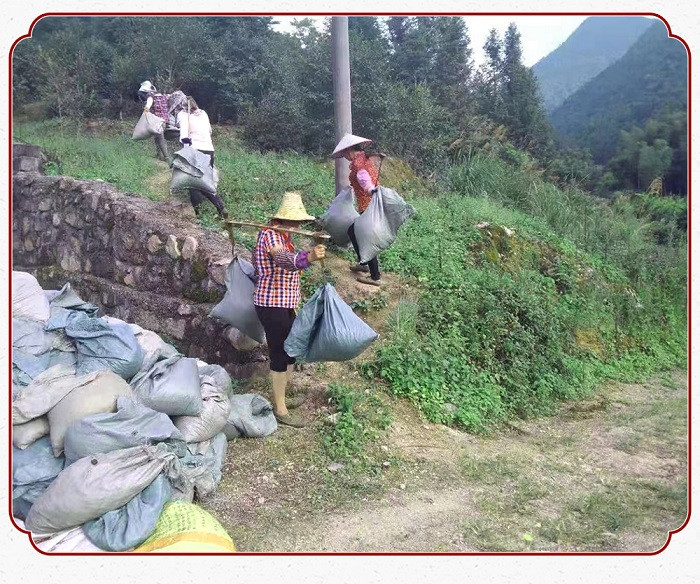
x=292 y=209
x=346 y=142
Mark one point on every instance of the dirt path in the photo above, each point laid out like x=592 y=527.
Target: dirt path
x=606 y=474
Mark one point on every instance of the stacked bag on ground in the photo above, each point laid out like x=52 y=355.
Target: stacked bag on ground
x=110 y=423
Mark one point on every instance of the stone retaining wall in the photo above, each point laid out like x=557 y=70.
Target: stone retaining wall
x=145 y=262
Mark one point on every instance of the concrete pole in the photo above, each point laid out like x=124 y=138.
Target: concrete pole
x=341 y=93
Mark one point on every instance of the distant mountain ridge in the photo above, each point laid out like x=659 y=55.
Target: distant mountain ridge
x=650 y=79
x=597 y=43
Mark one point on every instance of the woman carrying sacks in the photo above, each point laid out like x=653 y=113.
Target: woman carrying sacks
x=158 y=102
x=277 y=268
x=364 y=180
x=195 y=130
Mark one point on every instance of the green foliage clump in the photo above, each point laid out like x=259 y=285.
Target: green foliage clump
x=360 y=419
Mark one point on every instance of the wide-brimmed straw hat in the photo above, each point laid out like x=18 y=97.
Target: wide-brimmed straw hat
x=348 y=141
x=292 y=209
x=147 y=87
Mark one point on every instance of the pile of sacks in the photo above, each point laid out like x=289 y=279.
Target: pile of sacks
x=111 y=425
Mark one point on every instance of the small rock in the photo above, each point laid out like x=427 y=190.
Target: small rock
x=238 y=340
x=217 y=270
x=184 y=309
x=154 y=244
x=333 y=418
x=261 y=500
x=483 y=225
x=189 y=247
x=28 y=245
x=508 y=232
x=88 y=266
x=45 y=204
x=335 y=466
x=384 y=448
x=402 y=486
x=426 y=427
x=129 y=280
x=386 y=464
x=56 y=219
x=449 y=407
x=172 y=248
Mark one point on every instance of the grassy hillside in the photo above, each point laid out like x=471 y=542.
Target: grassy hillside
x=597 y=43
x=649 y=80
x=504 y=320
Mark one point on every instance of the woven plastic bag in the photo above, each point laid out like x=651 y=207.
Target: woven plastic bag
x=192 y=170
x=326 y=329
x=340 y=216
x=187 y=528
x=129 y=526
x=171 y=386
x=251 y=416
x=96 y=397
x=237 y=308
x=33 y=470
x=132 y=424
x=148 y=125
x=216 y=407
x=28 y=299
x=94 y=485
x=103 y=346
x=377 y=227
x=23 y=435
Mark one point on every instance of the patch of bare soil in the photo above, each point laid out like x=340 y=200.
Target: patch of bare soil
x=605 y=474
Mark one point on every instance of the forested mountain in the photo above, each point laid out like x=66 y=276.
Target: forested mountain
x=649 y=81
x=597 y=43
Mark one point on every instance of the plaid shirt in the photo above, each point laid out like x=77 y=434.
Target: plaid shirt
x=278 y=278
x=160 y=105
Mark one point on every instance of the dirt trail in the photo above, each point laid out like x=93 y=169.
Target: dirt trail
x=606 y=474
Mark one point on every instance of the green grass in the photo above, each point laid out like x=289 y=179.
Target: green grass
x=503 y=326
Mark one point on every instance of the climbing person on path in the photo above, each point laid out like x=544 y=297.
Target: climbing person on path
x=195 y=130
x=364 y=180
x=158 y=102
x=278 y=268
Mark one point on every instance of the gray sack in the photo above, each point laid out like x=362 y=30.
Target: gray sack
x=237 y=308
x=148 y=125
x=377 y=227
x=129 y=526
x=103 y=346
x=33 y=470
x=340 y=216
x=192 y=170
x=251 y=417
x=326 y=329
x=131 y=425
x=171 y=386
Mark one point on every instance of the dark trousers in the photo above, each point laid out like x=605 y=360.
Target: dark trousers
x=373 y=264
x=161 y=146
x=277 y=323
x=197 y=197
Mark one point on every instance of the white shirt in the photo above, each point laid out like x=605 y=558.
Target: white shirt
x=198 y=130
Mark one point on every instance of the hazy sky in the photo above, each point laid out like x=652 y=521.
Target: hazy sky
x=539 y=35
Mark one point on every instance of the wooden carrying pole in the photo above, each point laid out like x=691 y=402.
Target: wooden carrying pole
x=319 y=236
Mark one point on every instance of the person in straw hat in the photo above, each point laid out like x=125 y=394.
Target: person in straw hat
x=364 y=180
x=277 y=268
x=159 y=103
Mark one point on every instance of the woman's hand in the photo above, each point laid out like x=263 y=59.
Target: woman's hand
x=317 y=253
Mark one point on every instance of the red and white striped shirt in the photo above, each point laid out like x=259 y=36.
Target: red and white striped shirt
x=278 y=277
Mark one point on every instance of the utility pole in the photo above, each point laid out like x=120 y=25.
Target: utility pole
x=341 y=93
